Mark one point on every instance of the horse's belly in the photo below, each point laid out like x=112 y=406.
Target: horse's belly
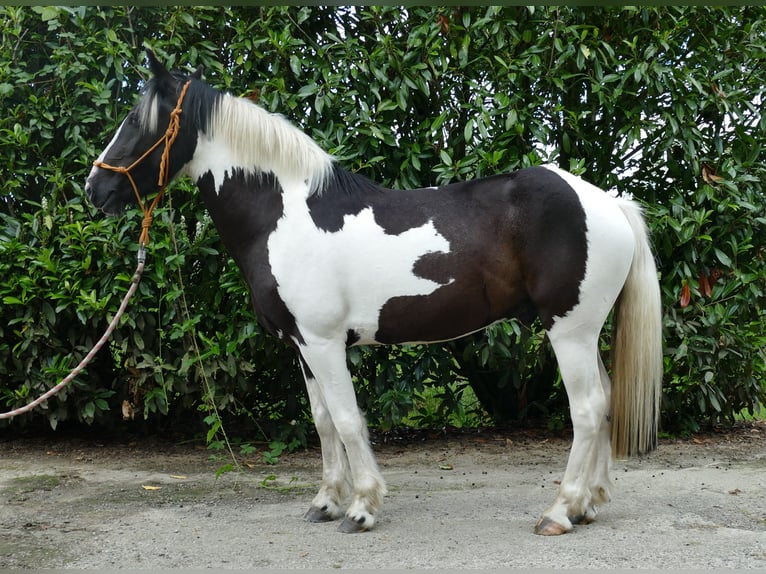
x=452 y=311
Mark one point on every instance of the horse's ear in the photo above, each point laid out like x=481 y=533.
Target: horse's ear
x=155 y=66
x=197 y=75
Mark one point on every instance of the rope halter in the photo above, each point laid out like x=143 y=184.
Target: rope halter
x=167 y=138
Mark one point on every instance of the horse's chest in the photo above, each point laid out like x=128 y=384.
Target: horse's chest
x=332 y=281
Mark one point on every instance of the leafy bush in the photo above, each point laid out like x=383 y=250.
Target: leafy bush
x=663 y=103
x=715 y=334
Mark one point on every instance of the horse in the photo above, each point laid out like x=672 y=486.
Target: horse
x=333 y=260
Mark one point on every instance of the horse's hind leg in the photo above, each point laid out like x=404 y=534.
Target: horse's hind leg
x=326 y=361
x=327 y=503
x=601 y=485
x=581 y=488
x=601 y=459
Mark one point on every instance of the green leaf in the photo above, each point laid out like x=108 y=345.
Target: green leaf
x=295 y=65
x=468 y=131
x=223 y=469
x=138 y=340
x=308 y=90
x=47 y=13
x=722 y=257
x=49 y=312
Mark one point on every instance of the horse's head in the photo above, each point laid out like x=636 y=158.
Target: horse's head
x=135 y=153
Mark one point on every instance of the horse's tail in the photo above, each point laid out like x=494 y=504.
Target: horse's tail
x=637 y=349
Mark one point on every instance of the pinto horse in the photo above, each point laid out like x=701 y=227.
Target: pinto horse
x=334 y=260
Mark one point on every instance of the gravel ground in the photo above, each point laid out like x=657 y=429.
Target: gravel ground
x=458 y=501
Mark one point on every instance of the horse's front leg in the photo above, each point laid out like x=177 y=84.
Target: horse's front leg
x=327 y=504
x=326 y=368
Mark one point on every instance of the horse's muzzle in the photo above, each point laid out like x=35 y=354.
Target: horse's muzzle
x=101 y=193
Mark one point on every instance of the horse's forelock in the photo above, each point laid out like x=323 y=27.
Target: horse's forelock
x=147 y=110
x=198 y=104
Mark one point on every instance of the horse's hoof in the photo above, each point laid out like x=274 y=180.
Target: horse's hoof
x=351 y=526
x=547 y=527
x=578 y=519
x=581 y=519
x=316 y=514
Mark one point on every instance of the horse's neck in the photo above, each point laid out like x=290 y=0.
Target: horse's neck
x=245 y=209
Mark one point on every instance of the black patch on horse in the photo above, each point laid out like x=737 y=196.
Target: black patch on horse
x=518 y=248
x=557 y=250
x=343 y=194
x=246 y=211
x=352 y=337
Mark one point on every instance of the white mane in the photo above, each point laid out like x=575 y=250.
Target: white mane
x=263 y=142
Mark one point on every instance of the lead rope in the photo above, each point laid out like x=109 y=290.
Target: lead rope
x=162 y=182
x=100 y=343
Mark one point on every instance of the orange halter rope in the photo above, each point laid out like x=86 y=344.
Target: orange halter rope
x=168 y=138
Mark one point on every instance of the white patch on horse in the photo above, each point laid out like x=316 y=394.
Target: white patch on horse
x=111 y=144
x=242 y=135
x=212 y=157
x=346 y=277
x=101 y=157
x=609 y=240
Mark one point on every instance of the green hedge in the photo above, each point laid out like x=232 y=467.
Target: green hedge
x=664 y=103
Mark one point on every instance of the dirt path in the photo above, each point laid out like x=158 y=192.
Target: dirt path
x=467 y=501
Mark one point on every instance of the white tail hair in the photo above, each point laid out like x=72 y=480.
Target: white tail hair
x=637 y=366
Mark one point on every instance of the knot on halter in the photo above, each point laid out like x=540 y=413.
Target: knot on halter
x=143 y=239
x=168 y=138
